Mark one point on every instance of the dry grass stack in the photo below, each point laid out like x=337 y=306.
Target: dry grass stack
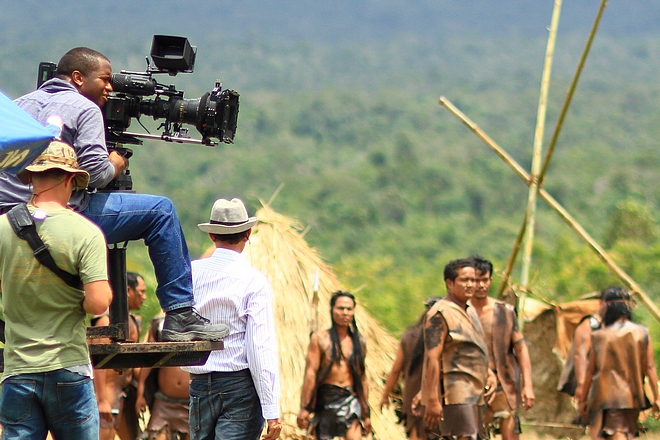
x=549 y=329
x=278 y=249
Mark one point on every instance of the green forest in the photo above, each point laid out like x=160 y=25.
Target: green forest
x=350 y=137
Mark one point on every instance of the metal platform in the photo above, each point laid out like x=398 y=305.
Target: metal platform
x=120 y=355
x=123 y=355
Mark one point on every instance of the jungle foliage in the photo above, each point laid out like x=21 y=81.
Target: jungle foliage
x=390 y=184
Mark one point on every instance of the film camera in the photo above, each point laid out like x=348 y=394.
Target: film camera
x=215 y=114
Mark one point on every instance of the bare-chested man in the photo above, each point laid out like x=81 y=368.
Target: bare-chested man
x=110 y=385
x=169 y=406
x=336 y=387
x=509 y=354
x=456 y=369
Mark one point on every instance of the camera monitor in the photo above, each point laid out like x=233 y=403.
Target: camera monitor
x=173 y=54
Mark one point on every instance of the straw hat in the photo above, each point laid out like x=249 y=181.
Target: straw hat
x=228 y=217
x=57 y=155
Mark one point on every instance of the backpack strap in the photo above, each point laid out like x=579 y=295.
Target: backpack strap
x=23 y=225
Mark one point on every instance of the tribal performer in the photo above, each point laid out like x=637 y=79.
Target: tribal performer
x=335 y=388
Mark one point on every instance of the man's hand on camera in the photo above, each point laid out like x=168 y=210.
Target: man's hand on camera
x=118 y=161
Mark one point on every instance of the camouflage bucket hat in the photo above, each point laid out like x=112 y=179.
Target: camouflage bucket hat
x=57 y=155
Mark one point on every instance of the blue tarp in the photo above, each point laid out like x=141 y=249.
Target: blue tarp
x=22 y=138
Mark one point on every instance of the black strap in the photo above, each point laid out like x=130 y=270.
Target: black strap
x=23 y=225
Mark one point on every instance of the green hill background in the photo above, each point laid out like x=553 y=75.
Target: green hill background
x=339 y=108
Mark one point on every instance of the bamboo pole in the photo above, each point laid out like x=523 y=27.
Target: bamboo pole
x=512 y=259
x=571 y=90
x=530 y=214
x=570 y=221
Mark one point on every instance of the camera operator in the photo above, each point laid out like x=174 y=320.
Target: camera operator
x=76 y=95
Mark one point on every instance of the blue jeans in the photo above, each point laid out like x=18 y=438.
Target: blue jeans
x=224 y=406
x=60 y=401
x=124 y=216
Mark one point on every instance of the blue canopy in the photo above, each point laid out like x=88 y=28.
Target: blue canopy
x=22 y=138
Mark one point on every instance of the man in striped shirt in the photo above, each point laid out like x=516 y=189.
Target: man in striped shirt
x=238 y=387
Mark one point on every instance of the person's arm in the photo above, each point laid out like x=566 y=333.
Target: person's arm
x=262 y=355
x=435 y=333
x=98 y=296
x=522 y=355
x=366 y=411
x=273 y=429
x=652 y=375
x=119 y=162
x=392 y=378
x=100 y=385
x=312 y=364
x=89 y=143
x=581 y=349
x=582 y=391
x=93 y=271
x=140 y=401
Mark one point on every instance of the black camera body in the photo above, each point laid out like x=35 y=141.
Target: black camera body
x=214 y=114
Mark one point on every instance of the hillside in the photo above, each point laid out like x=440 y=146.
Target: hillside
x=339 y=105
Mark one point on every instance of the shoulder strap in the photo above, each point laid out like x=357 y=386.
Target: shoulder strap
x=23 y=225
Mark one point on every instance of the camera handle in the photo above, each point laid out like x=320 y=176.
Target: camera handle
x=123 y=182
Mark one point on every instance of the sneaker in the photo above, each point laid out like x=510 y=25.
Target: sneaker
x=187 y=325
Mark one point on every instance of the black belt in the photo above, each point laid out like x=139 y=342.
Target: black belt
x=220 y=374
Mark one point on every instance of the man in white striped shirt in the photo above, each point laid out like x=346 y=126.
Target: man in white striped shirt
x=238 y=387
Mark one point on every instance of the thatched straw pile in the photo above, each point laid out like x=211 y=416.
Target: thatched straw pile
x=278 y=250
x=548 y=332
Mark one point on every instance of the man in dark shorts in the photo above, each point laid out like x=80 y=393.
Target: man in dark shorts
x=336 y=387
x=456 y=369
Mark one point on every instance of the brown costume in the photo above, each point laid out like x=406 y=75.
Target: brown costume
x=169 y=412
x=412 y=376
x=567 y=380
x=464 y=370
x=620 y=354
x=506 y=363
x=464 y=356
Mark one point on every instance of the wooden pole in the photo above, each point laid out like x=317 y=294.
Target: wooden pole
x=571 y=90
x=570 y=221
x=530 y=214
x=512 y=259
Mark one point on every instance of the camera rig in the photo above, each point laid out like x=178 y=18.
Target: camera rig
x=214 y=114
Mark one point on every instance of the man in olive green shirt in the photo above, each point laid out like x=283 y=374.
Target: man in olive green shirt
x=47 y=380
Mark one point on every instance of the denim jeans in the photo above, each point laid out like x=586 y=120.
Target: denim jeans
x=60 y=401
x=224 y=406
x=124 y=216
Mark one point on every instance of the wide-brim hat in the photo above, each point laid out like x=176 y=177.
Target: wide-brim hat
x=58 y=155
x=228 y=217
